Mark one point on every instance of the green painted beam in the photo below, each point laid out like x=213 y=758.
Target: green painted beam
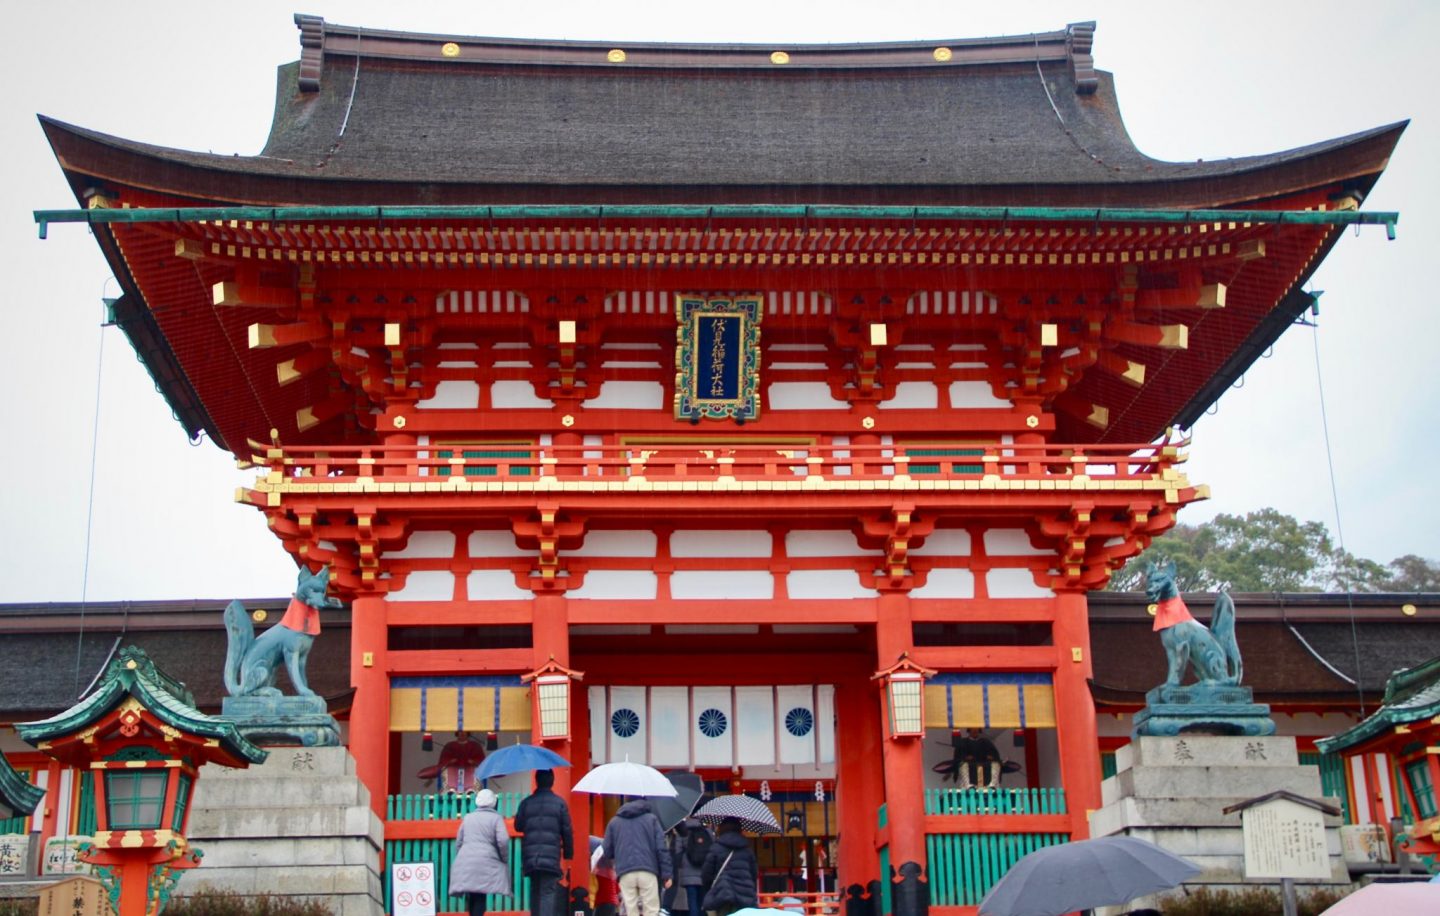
x=725 y=212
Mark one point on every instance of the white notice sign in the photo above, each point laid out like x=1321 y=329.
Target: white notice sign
x=412 y=889
x=1284 y=840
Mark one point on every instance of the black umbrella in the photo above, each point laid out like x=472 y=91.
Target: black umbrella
x=688 y=789
x=752 y=813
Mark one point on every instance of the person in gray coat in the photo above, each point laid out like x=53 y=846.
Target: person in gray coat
x=482 y=855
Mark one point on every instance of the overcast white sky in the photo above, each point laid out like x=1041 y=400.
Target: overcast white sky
x=1203 y=80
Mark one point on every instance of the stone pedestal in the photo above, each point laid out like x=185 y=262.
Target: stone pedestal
x=1170 y=791
x=298 y=825
x=1211 y=709
x=282 y=720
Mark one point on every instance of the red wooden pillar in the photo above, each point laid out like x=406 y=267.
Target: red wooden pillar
x=1372 y=791
x=370 y=711
x=1075 y=712
x=550 y=639
x=859 y=783
x=904 y=761
x=54 y=801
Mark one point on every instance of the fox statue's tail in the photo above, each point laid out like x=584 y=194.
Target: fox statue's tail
x=241 y=634
x=1222 y=627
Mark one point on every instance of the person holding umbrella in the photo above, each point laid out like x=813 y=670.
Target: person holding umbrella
x=636 y=844
x=730 y=871
x=543 y=819
x=482 y=855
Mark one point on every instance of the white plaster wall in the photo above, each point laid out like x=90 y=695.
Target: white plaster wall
x=426 y=585
x=727 y=584
x=514 y=394
x=613 y=584
x=1014 y=583
x=822 y=544
x=826 y=583
x=629 y=396
x=453 y=395
x=947 y=583
x=494 y=585
x=495 y=544
x=616 y=544
x=691 y=543
x=803 y=396
x=1011 y=542
x=426 y=544
x=974 y=394
x=914 y=395
x=947 y=542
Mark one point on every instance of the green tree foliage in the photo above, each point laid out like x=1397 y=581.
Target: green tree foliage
x=1269 y=551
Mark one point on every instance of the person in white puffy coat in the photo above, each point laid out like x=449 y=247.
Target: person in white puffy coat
x=482 y=855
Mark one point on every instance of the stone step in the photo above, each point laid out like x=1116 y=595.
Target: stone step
x=1192 y=782
x=353 y=821
x=285 y=792
x=287 y=852
x=1128 y=813
x=328 y=881
x=1208 y=750
x=301 y=761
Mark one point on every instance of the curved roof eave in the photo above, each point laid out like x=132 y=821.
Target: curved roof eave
x=90 y=155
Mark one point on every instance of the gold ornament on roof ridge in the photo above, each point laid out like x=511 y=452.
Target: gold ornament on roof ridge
x=449 y=49
x=779 y=57
x=943 y=54
x=616 y=56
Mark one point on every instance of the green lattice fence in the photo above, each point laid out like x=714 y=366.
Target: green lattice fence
x=964 y=866
x=995 y=801
x=1332 y=778
x=441 y=850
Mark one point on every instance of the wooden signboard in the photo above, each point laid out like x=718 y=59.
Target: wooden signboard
x=77 y=896
x=1284 y=839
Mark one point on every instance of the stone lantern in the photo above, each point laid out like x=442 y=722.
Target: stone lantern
x=142 y=736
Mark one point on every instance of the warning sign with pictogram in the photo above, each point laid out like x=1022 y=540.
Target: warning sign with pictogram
x=412 y=889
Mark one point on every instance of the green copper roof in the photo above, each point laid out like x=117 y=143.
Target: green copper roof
x=16 y=792
x=732 y=211
x=1412 y=695
x=133 y=673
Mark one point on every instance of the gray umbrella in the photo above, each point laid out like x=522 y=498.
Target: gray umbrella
x=671 y=811
x=1083 y=875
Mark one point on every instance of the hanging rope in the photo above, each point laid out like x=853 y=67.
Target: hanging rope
x=90 y=499
x=1339 y=528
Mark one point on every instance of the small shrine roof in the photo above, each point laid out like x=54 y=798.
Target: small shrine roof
x=1411 y=695
x=379 y=117
x=16 y=792
x=132 y=673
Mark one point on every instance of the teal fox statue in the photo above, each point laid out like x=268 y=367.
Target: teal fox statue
x=1213 y=652
x=251 y=663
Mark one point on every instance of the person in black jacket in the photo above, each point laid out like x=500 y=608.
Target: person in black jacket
x=730 y=871
x=544 y=820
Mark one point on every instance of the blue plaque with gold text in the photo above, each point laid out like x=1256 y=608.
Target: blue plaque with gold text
x=717 y=358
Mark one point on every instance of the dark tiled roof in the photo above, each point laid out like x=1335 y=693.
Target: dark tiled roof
x=1297 y=648
x=40 y=674
x=1005 y=121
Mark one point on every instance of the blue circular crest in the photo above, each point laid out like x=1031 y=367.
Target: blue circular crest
x=624 y=722
x=712 y=723
x=799 y=721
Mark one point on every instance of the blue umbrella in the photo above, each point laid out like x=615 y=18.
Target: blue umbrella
x=519 y=758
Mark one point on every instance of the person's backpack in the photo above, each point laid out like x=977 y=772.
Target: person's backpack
x=698 y=841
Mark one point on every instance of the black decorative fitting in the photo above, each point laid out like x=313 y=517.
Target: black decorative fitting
x=580 y=902
x=855 y=902
x=877 y=899
x=910 y=895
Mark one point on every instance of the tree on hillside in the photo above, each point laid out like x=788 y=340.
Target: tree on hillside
x=1269 y=551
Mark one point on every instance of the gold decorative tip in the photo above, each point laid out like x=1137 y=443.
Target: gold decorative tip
x=261 y=336
x=1409 y=610
x=1212 y=296
x=879 y=335
x=131 y=664
x=1134 y=372
x=779 y=57
x=868 y=422
x=616 y=56
x=1077 y=654
x=450 y=49
x=285 y=372
x=305 y=418
x=942 y=54
x=1152 y=609
x=1032 y=421
x=259 y=615
x=567 y=420
x=1174 y=337
x=1099 y=416
x=392 y=335
x=1049 y=335
x=399 y=422
x=567 y=332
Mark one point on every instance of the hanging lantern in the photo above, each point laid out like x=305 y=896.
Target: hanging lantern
x=550 y=690
x=904 y=684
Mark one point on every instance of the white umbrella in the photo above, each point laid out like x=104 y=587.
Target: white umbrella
x=625 y=778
